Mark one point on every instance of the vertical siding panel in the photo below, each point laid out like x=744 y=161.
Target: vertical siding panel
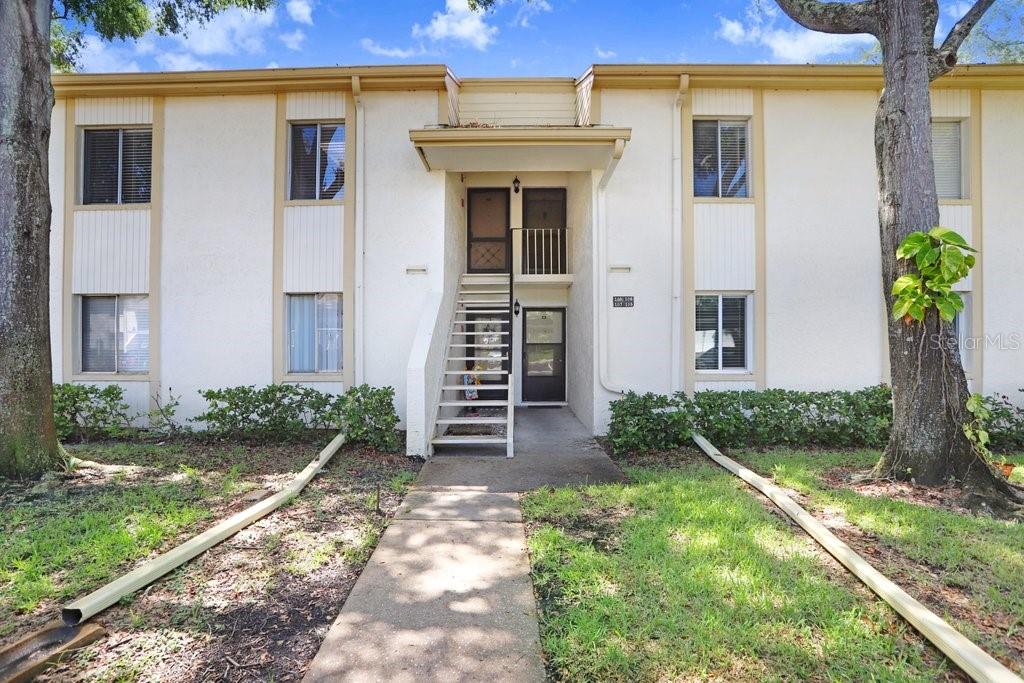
x=111 y=252
x=312 y=248
x=724 y=247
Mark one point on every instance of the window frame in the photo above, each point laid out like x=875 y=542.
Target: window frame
x=80 y=202
x=78 y=371
x=963 y=328
x=319 y=123
x=965 y=157
x=316 y=373
x=748 y=157
x=748 y=335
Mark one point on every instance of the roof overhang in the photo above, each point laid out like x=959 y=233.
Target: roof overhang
x=515 y=148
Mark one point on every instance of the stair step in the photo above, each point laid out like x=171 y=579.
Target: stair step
x=467 y=440
x=471 y=420
x=478 y=402
x=483 y=291
x=474 y=311
x=485 y=277
x=485 y=387
x=480 y=334
x=475 y=372
x=479 y=346
x=483 y=322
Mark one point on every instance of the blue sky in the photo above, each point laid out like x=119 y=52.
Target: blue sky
x=518 y=38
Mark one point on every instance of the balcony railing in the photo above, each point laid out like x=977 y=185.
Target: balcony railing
x=544 y=251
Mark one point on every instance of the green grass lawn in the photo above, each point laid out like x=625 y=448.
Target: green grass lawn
x=682 y=574
x=980 y=558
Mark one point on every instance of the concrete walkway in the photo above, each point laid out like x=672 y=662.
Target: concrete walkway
x=447 y=595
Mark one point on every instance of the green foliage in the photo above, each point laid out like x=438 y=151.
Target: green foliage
x=648 y=422
x=753 y=418
x=128 y=20
x=287 y=412
x=941 y=259
x=161 y=417
x=85 y=411
x=1005 y=423
x=975 y=429
x=367 y=416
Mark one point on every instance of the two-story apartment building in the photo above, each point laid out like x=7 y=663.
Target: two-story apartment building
x=481 y=244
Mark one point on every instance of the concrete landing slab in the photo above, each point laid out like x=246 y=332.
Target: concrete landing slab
x=469 y=504
x=438 y=601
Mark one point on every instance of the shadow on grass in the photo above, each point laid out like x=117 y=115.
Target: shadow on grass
x=700 y=581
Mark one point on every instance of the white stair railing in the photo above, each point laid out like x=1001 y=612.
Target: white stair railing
x=545 y=251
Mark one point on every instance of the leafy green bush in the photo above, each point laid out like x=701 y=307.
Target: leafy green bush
x=88 y=411
x=287 y=412
x=367 y=416
x=648 y=422
x=1005 y=424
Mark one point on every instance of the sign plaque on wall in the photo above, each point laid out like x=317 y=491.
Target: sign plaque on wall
x=622 y=302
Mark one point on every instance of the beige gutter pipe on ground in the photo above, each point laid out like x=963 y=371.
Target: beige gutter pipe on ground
x=97 y=601
x=977 y=663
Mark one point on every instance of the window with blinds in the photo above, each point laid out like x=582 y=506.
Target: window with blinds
x=117 y=166
x=721 y=159
x=947 y=153
x=317 y=161
x=722 y=332
x=115 y=334
x=314 y=333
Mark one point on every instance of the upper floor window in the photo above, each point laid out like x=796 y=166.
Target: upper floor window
x=722 y=333
x=317 y=161
x=117 y=165
x=721 y=159
x=114 y=334
x=947 y=153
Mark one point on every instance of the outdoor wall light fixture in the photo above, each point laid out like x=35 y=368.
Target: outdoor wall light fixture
x=515 y=185
x=516 y=308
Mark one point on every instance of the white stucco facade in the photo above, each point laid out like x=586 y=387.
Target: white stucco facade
x=222 y=243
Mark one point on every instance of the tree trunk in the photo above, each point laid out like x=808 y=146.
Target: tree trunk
x=28 y=444
x=929 y=388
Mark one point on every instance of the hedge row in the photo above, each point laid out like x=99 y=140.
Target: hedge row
x=277 y=412
x=777 y=417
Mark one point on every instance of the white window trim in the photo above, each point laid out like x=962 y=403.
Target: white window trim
x=748 y=329
x=80 y=167
x=315 y=373
x=288 y=184
x=719 y=120
x=79 y=372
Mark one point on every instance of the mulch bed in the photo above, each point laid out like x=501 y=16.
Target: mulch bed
x=256 y=607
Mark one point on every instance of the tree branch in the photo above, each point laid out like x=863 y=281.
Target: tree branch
x=833 y=17
x=944 y=58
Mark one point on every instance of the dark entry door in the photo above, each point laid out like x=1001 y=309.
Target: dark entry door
x=544 y=354
x=489 y=244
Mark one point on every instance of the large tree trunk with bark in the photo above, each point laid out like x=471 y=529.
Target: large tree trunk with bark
x=927 y=443
x=28 y=445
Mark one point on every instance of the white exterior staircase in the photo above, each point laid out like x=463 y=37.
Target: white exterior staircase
x=478 y=352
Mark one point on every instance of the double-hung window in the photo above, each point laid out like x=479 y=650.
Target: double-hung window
x=117 y=165
x=722 y=340
x=947 y=155
x=721 y=159
x=114 y=334
x=314 y=333
x=317 y=161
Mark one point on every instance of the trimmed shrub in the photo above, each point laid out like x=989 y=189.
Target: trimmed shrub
x=86 y=411
x=287 y=412
x=648 y=422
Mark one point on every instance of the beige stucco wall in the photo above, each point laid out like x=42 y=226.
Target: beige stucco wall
x=218 y=225
x=1003 y=247
x=823 y=300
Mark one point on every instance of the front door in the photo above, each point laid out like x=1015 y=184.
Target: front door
x=544 y=355
x=489 y=241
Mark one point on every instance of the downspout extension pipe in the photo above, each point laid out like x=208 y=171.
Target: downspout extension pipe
x=977 y=663
x=602 y=265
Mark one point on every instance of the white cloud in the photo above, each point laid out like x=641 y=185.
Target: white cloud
x=230 y=32
x=375 y=48
x=605 y=54
x=529 y=9
x=459 y=24
x=180 y=61
x=956 y=10
x=272 y=65
x=100 y=57
x=796 y=45
x=294 y=39
x=300 y=11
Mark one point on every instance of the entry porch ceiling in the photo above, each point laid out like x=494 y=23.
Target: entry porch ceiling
x=518 y=148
